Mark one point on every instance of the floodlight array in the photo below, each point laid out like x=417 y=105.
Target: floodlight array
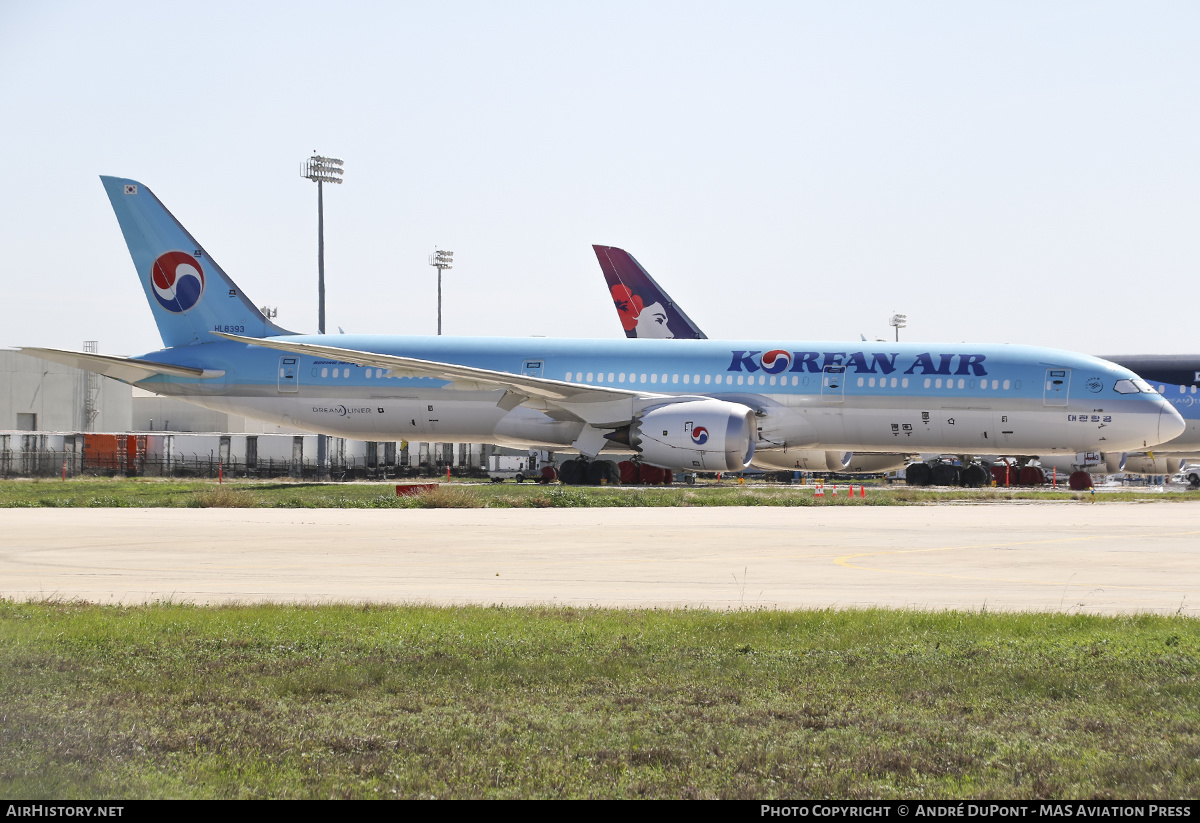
x=322 y=169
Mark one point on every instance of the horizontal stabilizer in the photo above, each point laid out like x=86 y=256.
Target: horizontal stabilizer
x=125 y=369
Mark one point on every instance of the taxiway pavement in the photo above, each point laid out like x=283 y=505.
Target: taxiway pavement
x=1066 y=557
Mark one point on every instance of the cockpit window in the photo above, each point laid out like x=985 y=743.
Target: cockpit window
x=1134 y=386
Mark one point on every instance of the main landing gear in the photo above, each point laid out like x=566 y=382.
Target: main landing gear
x=583 y=472
x=580 y=471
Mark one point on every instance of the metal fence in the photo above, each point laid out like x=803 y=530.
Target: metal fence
x=137 y=455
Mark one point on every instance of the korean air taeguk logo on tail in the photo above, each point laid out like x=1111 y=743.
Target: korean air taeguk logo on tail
x=177 y=280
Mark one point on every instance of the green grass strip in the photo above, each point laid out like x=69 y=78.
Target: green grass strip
x=154 y=493
x=366 y=701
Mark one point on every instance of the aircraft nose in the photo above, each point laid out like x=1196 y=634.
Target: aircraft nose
x=1170 y=424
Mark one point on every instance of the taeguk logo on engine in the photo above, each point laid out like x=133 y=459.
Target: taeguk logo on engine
x=177 y=280
x=699 y=435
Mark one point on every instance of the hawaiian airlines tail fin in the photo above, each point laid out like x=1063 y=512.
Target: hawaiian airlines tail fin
x=644 y=308
x=189 y=295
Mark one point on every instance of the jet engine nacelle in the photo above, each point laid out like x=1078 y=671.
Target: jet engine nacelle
x=1065 y=464
x=812 y=460
x=1114 y=463
x=1145 y=464
x=1111 y=463
x=876 y=463
x=805 y=460
x=696 y=435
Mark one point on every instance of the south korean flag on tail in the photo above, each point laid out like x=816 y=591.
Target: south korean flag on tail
x=131 y=188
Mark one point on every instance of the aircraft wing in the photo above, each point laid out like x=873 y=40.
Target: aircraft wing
x=125 y=369
x=598 y=405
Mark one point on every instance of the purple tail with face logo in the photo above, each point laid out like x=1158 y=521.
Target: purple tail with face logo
x=644 y=308
x=189 y=294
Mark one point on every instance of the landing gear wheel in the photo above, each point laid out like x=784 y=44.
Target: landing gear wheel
x=974 y=476
x=1079 y=481
x=630 y=472
x=571 y=472
x=917 y=474
x=603 y=472
x=945 y=474
x=1032 y=476
x=520 y=478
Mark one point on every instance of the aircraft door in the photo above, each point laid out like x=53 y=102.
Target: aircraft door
x=289 y=373
x=533 y=367
x=1006 y=430
x=429 y=414
x=833 y=384
x=399 y=417
x=1058 y=385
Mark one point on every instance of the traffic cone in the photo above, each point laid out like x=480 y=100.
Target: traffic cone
x=820 y=492
x=862 y=491
x=835 y=489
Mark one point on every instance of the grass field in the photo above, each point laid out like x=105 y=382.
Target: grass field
x=275 y=701
x=108 y=493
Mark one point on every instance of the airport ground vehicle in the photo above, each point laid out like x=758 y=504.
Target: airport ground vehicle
x=521 y=467
x=510 y=467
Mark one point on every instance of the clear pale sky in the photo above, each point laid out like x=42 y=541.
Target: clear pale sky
x=1018 y=172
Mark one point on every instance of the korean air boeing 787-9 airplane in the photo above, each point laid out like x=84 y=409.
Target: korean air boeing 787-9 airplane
x=705 y=406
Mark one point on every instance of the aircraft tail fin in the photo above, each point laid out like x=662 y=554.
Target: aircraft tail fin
x=644 y=308
x=189 y=294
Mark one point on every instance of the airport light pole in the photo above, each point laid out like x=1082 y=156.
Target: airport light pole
x=321 y=170
x=899 y=321
x=441 y=260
